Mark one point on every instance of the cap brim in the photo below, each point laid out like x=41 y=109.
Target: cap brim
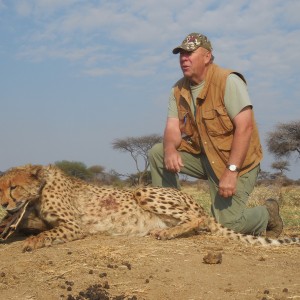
x=177 y=49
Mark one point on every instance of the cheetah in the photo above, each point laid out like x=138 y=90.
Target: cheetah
x=63 y=208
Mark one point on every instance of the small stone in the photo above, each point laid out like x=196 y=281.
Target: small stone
x=212 y=258
x=106 y=285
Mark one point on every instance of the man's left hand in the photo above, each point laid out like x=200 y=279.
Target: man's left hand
x=227 y=184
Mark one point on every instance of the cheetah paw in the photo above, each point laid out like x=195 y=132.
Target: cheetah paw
x=35 y=242
x=160 y=234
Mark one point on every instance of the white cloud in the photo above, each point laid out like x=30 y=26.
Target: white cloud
x=111 y=35
x=248 y=37
x=71 y=54
x=23 y=8
x=2 y=5
x=290 y=13
x=41 y=8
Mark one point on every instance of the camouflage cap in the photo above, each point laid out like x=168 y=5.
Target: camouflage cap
x=192 y=42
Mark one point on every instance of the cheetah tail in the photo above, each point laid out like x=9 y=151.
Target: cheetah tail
x=215 y=227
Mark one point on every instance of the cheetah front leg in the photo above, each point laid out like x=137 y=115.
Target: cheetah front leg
x=61 y=234
x=63 y=231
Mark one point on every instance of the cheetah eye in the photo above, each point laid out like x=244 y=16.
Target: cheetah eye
x=13 y=187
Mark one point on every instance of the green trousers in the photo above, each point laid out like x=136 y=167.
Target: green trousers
x=232 y=212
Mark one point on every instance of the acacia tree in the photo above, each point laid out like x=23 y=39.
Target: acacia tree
x=285 y=139
x=281 y=166
x=138 y=148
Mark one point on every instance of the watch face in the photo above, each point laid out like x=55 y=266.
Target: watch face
x=232 y=168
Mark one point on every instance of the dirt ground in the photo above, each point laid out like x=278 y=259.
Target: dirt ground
x=103 y=267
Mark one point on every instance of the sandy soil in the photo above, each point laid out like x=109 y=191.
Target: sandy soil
x=103 y=267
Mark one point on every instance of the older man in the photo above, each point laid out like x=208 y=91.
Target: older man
x=211 y=134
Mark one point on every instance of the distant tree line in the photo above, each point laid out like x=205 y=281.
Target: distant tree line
x=95 y=174
x=283 y=142
x=136 y=147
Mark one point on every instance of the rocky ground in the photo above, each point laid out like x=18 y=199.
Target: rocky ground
x=103 y=267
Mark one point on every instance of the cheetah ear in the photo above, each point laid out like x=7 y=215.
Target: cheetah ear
x=35 y=170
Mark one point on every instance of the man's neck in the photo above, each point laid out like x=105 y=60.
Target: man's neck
x=197 y=81
x=194 y=83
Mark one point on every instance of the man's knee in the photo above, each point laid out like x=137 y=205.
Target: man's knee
x=156 y=152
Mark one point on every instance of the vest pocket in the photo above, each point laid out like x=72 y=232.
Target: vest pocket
x=217 y=121
x=224 y=147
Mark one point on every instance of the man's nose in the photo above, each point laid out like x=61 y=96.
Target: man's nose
x=183 y=57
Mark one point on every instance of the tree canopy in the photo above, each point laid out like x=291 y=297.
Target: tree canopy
x=285 y=139
x=281 y=166
x=75 y=168
x=138 y=148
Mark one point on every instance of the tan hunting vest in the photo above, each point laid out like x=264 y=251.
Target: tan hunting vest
x=211 y=130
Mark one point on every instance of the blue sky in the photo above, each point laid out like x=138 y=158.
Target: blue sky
x=76 y=74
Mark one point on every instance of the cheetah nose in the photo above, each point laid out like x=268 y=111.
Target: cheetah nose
x=4 y=205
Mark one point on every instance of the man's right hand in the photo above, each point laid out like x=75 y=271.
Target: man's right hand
x=172 y=140
x=173 y=161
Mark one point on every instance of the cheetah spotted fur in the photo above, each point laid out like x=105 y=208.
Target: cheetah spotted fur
x=64 y=209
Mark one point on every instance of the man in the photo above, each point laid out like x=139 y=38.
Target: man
x=211 y=134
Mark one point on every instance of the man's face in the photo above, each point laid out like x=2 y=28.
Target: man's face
x=194 y=64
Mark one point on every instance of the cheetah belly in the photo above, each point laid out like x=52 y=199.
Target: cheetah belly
x=135 y=223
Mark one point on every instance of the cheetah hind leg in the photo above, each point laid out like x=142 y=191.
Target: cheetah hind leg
x=176 y=209
x=178 y=230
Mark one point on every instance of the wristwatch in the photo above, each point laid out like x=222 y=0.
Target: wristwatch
x=233 y=168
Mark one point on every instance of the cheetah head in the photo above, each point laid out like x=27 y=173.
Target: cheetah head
x=20 y=185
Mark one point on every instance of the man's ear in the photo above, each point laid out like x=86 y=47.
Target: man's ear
x=208 y=57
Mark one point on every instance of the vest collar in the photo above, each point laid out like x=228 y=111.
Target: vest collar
x=185 y=90
x=210 y=71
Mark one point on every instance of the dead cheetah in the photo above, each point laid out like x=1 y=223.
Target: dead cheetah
x=64 y=209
